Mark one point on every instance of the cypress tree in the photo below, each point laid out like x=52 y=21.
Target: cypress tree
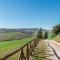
x=40 y=35
x=46 y=35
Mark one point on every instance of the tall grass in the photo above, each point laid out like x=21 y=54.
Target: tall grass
x=57 y=38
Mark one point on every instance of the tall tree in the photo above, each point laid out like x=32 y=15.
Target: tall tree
x=56 y=29
x=46 y=35
x=40 y=35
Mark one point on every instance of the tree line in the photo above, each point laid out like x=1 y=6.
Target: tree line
x=55 y=31
x=42 y=35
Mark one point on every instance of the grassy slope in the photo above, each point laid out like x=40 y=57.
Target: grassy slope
x=57 y=38
x=8 y=45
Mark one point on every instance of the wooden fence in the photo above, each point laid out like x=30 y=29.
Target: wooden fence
x=24 y=53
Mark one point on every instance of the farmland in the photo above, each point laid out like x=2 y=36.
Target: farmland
x=13 y=39
x=12 y=36
x=8 y=46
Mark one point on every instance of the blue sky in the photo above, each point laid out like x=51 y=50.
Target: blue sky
x=29 y=13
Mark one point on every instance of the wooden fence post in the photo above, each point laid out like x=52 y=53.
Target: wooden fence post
x=27 y=52
x=22 y=57
x=30 y=49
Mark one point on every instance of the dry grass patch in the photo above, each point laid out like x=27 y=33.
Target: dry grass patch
x=57 y=38
x=40 y=52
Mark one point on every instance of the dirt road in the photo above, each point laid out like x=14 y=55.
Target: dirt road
x=47 y=50
x=54 y=49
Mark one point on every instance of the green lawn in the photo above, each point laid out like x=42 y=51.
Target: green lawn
x=8 y=45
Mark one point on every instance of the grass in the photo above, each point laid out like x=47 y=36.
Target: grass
x=6 y=46
x=49 y=35
x=57 y=38
x=40 y=52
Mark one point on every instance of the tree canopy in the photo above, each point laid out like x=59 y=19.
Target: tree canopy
x=56 y=29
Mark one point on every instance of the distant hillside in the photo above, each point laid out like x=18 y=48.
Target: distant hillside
x=13 y=34
x=24 y=30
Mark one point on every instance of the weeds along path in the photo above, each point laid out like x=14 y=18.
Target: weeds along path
x=43 y=52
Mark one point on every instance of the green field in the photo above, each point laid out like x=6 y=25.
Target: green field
x=7 y=46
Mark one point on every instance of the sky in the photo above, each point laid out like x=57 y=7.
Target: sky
x=29 y=13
